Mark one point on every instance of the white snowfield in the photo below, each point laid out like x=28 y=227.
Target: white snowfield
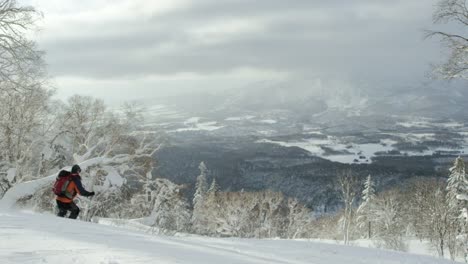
x=34 y=238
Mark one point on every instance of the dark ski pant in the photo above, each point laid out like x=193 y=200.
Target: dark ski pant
x=65 y=207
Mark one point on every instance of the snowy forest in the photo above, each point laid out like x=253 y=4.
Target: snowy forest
x=41 y=135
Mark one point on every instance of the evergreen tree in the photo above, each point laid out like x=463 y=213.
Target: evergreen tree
x=368 y=194
x=210 y=200
x=456 y=185
x=201 y=186
x=456 y=201
x=365 y=209
x=211 y=207
x=214 y=188
x=198 y=216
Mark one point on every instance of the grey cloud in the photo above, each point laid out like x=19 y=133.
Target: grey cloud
x=292 y=41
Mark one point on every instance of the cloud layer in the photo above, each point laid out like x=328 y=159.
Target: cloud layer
x=182 y=44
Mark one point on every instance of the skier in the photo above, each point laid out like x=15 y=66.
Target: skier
x=71 y=187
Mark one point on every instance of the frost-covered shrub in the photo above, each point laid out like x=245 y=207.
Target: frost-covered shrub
x=254 y=214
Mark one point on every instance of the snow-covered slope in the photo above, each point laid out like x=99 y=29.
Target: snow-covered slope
x=32 y=238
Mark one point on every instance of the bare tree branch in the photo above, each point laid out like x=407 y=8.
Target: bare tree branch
x=455 y=11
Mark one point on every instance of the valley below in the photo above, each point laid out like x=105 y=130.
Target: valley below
x=302 y=154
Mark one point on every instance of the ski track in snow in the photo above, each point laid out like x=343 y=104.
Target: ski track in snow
x=35 y=238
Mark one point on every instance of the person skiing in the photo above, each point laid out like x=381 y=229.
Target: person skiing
x=65 y=201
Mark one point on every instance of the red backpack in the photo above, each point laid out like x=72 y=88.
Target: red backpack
x=61 y=183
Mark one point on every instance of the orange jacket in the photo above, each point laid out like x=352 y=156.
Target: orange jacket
x=73 y=189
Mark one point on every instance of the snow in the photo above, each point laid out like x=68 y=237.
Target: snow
x=160 y=112
x=113 y=177
x=267 y=132
x=433 y=151
x=35 y=238
x=23 y=189
x=420 y=124
x=207 y=126
x=423 y=135
x=313 y=132
x=427 y=123
x=362 y=153
x=413 y=137
x=359 y=150
x=192 y=120
x=351 y=152
x=462 y=197
x=11 y=174
x=155 y=107
x=453 y=125
x=268 y=121
x=415 y=246
x=153 y=124
x=240 y=118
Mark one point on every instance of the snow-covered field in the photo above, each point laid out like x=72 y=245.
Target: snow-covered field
x=34 y=238
x=361 y=153
x=195 y=126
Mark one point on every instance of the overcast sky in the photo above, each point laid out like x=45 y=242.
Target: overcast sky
x=127 y=49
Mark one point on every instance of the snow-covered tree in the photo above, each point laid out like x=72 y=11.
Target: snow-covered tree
x=201 y=185
x=107 y=173
x=457 y=190
x=349 y=186
x=171 y=210
x=298 y=219
x=271 y=214
x=19 y=55
x=234 y=214
x=133 y=113
x=199 y=216
x=24 y=95
x=426 y=212
x=211 y=202
x=439 y=218
x=82 y=119
x=364 y=212
x=214 y=187
x=250 y=214
x=389 y=228
x=211 y=206
x=457 y=187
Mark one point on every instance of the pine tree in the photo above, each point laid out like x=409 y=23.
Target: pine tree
x=198 y=216
x=456 y=185
x=368 y=194
x=200 y=186
x=210 y=200
x=365 y=209
x=214 y=188
x=457 y=188
x=211 y=207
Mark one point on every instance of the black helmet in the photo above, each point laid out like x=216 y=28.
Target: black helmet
x=76 y=169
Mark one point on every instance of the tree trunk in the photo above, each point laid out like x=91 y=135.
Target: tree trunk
x=369 y=235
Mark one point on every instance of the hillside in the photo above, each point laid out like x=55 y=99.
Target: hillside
x=35 y=238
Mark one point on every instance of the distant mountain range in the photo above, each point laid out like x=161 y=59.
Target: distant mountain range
x=319 y=105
